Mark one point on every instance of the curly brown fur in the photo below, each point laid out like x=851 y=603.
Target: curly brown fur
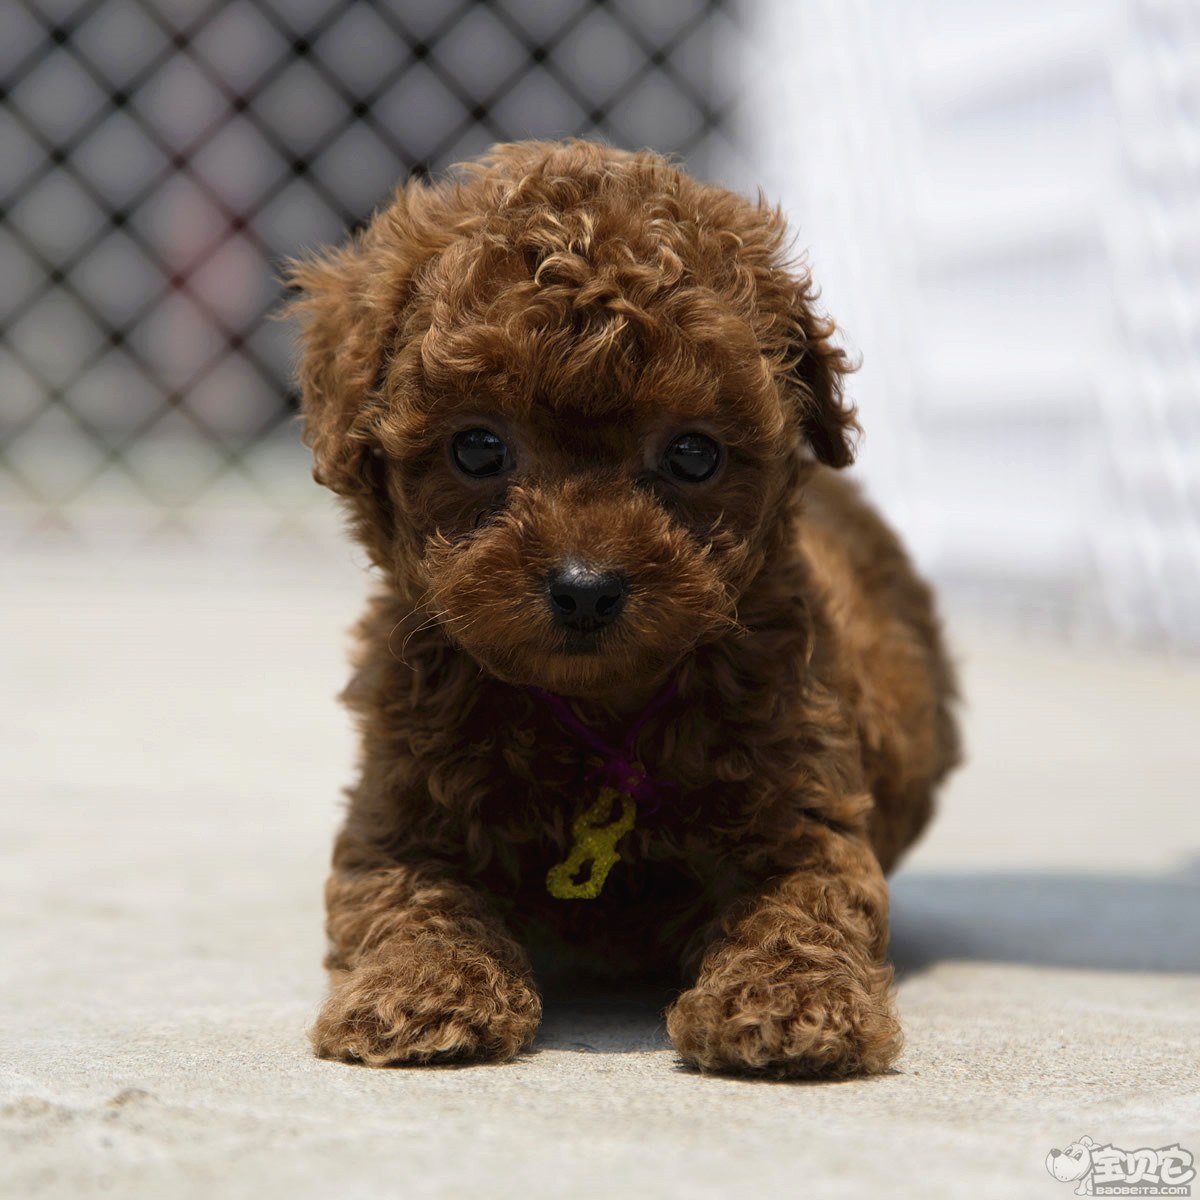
x=589 y=306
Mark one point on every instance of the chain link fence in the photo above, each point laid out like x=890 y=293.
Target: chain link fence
x=158 y=158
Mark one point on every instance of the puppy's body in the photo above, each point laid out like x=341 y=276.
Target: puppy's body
x=596 y=313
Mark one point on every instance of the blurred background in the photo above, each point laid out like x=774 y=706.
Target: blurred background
x=1001 y=202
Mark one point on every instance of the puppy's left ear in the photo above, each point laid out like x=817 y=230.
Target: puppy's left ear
x=814 y=368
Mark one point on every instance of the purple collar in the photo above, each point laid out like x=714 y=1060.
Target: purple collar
x=619 y=769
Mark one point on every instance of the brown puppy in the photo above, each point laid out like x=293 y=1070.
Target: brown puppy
x=575 y=403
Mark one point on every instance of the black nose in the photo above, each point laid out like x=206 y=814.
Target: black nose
x=583 y=599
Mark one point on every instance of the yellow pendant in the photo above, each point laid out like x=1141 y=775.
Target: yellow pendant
x=595 y=843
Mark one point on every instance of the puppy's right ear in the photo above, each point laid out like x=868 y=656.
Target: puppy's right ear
x=343 y=341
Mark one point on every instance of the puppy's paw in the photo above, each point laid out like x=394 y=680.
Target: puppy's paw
x=430 y=1001
x=787 y=1024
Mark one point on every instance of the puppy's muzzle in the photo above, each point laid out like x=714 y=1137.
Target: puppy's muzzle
x=584 y=600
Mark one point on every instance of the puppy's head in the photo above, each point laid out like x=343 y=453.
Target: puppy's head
x=568 y=396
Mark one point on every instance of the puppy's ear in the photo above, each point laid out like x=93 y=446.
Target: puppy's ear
x=796 y=337
x=814 y=371
x=343 y=342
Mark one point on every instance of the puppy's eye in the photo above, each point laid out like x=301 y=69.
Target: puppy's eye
x=692 y=458
x=480 y=453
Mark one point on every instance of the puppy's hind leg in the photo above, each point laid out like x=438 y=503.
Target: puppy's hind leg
x=797 y=985
x=423 y=972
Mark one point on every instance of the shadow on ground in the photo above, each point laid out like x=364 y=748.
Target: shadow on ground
x=604 y=1018
x=1100 y=922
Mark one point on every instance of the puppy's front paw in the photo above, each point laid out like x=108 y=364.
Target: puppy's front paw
x=430 y=1001
x=755 y=1018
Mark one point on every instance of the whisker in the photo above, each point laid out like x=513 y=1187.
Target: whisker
x=420 y=604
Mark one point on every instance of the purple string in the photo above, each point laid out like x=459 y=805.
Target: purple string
x=619 y=769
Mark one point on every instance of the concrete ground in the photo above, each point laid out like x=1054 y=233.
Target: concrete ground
x=170 y=756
